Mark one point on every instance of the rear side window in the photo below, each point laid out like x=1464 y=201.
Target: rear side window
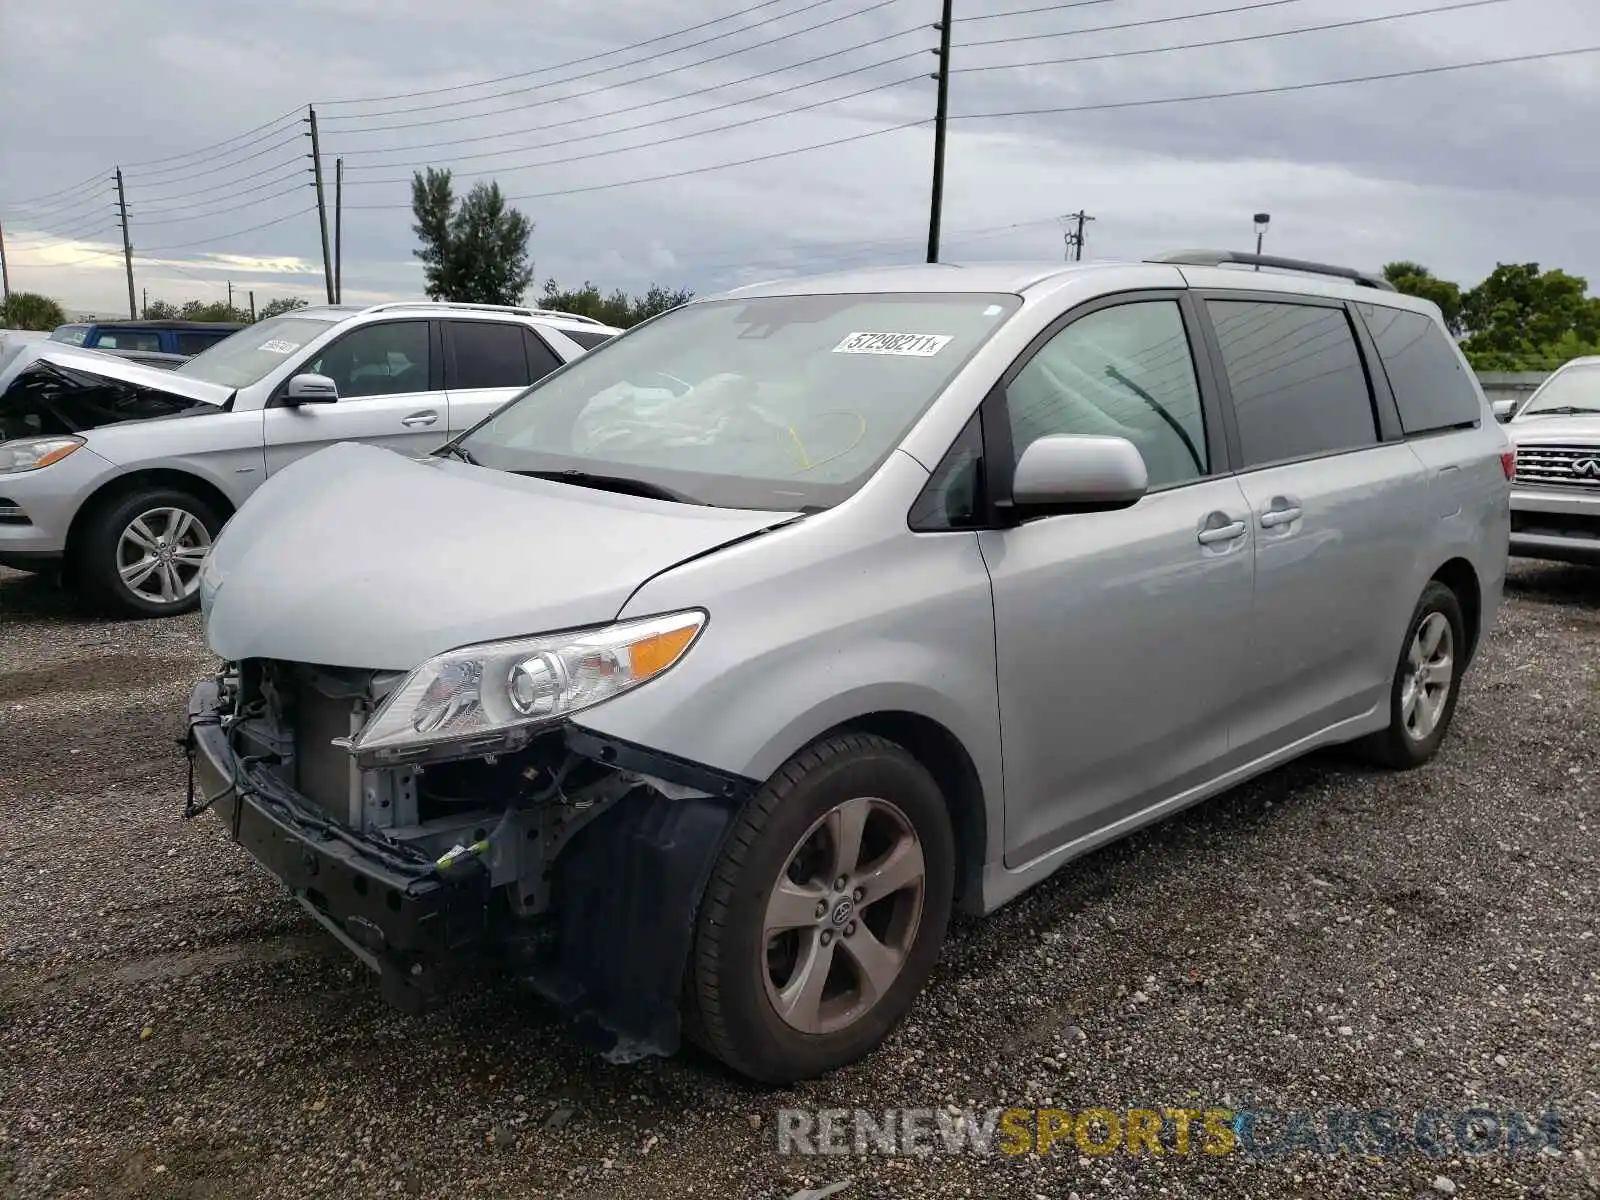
x=587 y=339
x=487 y=354
x=190 y=342
x=1299 y=388
x=541 y=359
x=1431 y=389
x=72 y=335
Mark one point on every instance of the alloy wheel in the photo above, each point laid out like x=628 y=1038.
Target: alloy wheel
x=843 y=916
x=160 y=552
x=1429 y=674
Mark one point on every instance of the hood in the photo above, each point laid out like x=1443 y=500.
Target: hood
x=357 y=556
x=1554 y=429
x=110 y=366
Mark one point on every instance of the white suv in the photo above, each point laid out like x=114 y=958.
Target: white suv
x=103 y=474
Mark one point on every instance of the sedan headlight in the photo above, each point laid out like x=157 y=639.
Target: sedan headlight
x=29 y=454
x=493 y=697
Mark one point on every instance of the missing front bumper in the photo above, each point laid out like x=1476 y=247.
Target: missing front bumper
x=625 y=889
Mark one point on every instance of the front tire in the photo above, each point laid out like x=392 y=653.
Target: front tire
x=141 y=554
x=825 y=912
x=1427 y=683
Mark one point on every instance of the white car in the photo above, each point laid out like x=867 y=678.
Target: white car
x=103 y=474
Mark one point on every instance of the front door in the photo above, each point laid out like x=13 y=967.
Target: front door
x=1337 y=516
x=390 y=394
x=1119 y=634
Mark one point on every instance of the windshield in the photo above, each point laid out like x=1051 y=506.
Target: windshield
x=244 y=357
x=1576 y=389
x=776 y=403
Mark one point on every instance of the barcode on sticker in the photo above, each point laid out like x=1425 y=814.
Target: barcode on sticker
x=918 y=345
x=279 y=346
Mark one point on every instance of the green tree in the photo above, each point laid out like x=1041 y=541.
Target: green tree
x=618 y=309
x=1414 y=279
x=476 y=251
x=215 y=310
x=1522 y=312
x=30 y=310
x=275 y=308
x=161 y=310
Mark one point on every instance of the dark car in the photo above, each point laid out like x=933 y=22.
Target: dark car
x=148 y=337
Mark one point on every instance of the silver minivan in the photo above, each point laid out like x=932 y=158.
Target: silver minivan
x=699 y=684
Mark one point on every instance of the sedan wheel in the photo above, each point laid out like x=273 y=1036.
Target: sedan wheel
x=141 y=554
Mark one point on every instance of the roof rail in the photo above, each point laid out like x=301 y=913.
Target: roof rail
x=1217 y=258
x=515 y=309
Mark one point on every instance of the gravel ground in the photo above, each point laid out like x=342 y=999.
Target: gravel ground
x=171 y=1026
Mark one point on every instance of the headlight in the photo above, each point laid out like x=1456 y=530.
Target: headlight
x=29 y=454
x=493 y=697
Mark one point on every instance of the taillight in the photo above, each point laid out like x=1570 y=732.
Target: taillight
x=1508 y=463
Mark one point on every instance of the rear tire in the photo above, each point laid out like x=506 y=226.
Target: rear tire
x=1427 y=683
x=825 y=913
x=140 y=555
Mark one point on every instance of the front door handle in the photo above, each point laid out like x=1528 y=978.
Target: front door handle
x=1220 y=533
x=1274 y=517
x=420 y=418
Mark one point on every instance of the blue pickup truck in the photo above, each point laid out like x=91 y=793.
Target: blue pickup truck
x=146 y=337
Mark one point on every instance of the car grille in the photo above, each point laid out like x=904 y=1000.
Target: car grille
x=1550 y=465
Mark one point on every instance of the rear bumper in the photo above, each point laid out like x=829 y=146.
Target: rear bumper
x=419 y=930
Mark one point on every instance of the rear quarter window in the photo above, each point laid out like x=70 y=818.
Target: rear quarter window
x=587 y=339
x=1430 y=386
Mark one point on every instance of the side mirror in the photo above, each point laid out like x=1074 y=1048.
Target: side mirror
x=1503 y=409
x=1079 y=472
x=311 y=389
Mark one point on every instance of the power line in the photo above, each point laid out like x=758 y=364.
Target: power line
x=1415 y=72
x=1233 y=41
x=259 y=129
x=717 y=87
x=39 y=200
x=606 y=87
x=144 y=219
x=234 y=233
x=574 y=62
x=290 y=164
x=71 y=211
x=505 y=168
x=165 y=181
x=1028 y=12
x=1255 y=6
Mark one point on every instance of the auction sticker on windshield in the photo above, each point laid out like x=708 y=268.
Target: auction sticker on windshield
x=279 y=346
x=917 y=345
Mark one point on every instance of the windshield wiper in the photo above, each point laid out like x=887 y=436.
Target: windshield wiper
x=454 y=450
x=612 y=483
x=1565 y=410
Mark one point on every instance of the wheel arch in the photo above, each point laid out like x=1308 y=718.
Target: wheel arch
x=113 y=490
x=1461 y=577
x=947 y=760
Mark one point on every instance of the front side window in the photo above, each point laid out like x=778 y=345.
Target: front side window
x=72 y=335
x=487 y=354
x=1430 y=386
x=775 y=403
x=128 y=339
x=255 y=352
x=1571 y=391
x=1121 y=372
x=1299 y=388
x=386 y=359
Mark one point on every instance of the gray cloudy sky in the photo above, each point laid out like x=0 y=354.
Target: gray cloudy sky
x=1456 y=169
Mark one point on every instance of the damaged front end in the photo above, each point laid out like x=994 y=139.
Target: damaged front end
x=574 y=860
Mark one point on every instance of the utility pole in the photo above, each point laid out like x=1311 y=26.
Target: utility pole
x=127 y=246
x=941 y=117
x=252 y=307
x=338 y=230
x=230 y=295
x=1074 y=237
x=322 y=207
x=144 y=302
x=5 y=272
